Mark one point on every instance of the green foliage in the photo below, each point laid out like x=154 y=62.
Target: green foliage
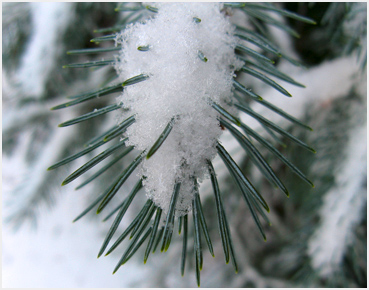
x=212 y=216
x=253 y=198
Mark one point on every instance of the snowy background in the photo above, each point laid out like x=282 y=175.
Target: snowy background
x=317 y=236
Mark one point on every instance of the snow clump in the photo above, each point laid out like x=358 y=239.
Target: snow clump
x=190 y=59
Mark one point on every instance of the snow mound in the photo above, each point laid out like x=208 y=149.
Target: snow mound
x=187 y=51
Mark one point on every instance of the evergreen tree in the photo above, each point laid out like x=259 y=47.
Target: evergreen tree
x=190 y=114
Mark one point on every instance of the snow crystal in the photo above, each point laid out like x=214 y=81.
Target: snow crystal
x=180 y=83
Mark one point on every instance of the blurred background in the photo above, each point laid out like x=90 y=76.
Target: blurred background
x=318 y=236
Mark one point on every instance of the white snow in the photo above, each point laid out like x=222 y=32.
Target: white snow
x=62 y=254
x=341 y=209
x=325 y=82
x=48 y=21
x=179 y=86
